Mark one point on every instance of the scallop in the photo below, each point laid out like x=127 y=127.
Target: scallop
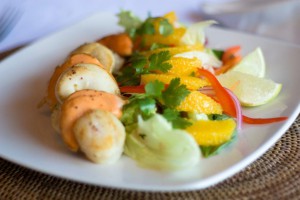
x=101 y=136
x=99 y=51
x=85 y=76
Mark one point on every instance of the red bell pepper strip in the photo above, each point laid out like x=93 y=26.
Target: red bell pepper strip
x=223 y=97
x=250 y=120
x=133 y=89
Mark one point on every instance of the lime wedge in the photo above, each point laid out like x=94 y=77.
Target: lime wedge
x=253 y=63
x=249 y=89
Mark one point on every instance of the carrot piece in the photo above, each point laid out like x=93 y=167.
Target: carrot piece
x=228 y=65
x=230 y=52
x=133 y=89
x=120 y=43
x=72 y=60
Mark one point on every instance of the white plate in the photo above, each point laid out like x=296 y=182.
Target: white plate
x=27 y=138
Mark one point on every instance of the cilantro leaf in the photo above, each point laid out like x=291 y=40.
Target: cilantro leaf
x=154 y=88
x=129 y=22
x=138 y=105
x=174 y=117
x=218 y=53
x=155 y=46
x=175 y=93
x=165 y=28
x=208 y=151
x=128 y=76
x=157 y=61
x=147 y=27
x=147 y=107
x=139 y=62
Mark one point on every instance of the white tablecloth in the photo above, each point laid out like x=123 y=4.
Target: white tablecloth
x=40 y=18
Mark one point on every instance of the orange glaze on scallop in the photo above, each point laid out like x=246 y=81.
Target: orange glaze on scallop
x=81 y=102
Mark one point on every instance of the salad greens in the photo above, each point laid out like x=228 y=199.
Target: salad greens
x=195 y=33
x=140 y=64
x=156 y=135
x=157 y=145
x=156 y=98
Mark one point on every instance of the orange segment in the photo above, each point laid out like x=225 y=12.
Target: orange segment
x=212 y=133
x=184 y=66
x=172 y=39
x=171 y=17
x=201 y=103
x=192 y=83
x=72 y=60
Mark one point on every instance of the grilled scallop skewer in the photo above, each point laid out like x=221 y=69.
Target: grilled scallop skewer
x=88 y=102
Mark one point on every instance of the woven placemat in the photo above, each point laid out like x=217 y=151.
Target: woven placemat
x=276 y=175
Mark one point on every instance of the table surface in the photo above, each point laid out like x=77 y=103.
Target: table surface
x=276 y=175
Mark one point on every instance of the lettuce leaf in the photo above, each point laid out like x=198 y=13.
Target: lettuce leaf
x=195 y=33
x=155 y=144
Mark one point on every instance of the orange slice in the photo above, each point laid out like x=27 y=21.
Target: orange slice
x=184 y=66
x=192 y=83
x=201 y=103
x=212 y=133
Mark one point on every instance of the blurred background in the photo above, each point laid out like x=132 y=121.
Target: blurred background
x=24 y=21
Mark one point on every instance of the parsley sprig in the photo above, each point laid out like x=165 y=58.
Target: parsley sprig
x=140 y=64
x=134 y=26
x=157 y=61
x=158 y=99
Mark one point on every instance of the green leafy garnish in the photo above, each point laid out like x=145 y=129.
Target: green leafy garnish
x=128 y=76
x=165 y=28
x=129 y=21
x=175 y=93
x=155 y=46
x=138 y=105
x=146 y=28
x=174 y=117
x=140 y=64
x=157 y=98
x=218 y=53
x=147 y=107
x=134 y=26
x=157 y=61
x=154 y=89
